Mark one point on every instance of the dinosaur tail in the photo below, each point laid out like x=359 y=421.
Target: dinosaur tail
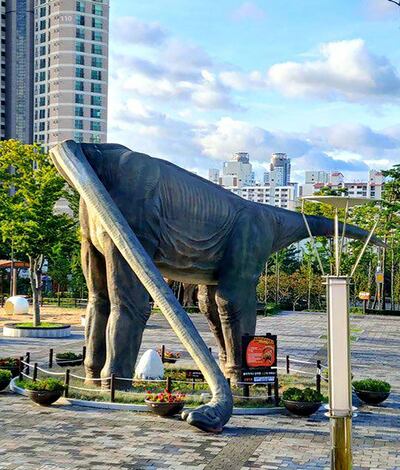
x=292 y=228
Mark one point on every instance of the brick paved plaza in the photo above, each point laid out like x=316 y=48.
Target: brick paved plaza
x=65 y=437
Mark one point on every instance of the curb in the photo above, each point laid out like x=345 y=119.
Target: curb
x=143 y=408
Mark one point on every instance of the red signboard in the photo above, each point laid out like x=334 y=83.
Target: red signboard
x=261 y=352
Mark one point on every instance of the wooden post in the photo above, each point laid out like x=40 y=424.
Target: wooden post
x=269 y=387
x=51 y=354
x=66 y=383
x=34 y=376
x=27 y=360
x=59 y=300
x=276 y=390
x=246 y=390
x=21 y=367
x=112 y=388
x=168 y=385
x=193 y=385
x=84 y=353
x=318 y=377
x=229 y=381
x=287 y=364
x=162 y=353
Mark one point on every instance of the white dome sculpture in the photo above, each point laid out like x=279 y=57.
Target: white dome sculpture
x=150 y=366
x=16 y=305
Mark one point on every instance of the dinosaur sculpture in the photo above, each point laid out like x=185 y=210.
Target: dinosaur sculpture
x=140 y=213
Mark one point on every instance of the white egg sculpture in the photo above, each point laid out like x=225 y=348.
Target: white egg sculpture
x=16 y=305
x=150 y=366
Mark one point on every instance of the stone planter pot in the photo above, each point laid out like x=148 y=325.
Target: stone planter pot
x=12 y=329
x=14 y=370
x=372 y=398
x=165 y=409
x=302 y=408
x=170 y=360
x=69 y=362
x=4 y=384
x=43 y=397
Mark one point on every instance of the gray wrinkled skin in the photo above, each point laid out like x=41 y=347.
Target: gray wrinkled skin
x=138 y=214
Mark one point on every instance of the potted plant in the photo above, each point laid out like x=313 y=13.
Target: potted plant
x=372 y=391
x=43 y=392
x=165 y=403
x=5 y=378
x=169 y=356
x=302 y=402
x=11 y=364
x=69 y=359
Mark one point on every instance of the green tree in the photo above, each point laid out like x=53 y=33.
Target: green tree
x=30 y=188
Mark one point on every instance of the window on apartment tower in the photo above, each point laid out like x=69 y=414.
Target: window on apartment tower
x=42 y=25
x=42 y=11
x=95 y=126
x=80 y=33
x=79 y=86
x=80 y=60
x=96 y=88
x=97 y=10
x=78 y=137
x=80 y=20
x=79 y=73
x=96 y=49
x=95 y=113
x=97 y=62
x=97 y=36
x=80 y=47
x=78 y=124
x=96 y=101
x=79 y=99
x=80 y=6
x=96 y=23
x=79 y=111
x=96 y=75
x=95 y=139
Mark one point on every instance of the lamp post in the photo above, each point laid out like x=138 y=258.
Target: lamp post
x=339 y=357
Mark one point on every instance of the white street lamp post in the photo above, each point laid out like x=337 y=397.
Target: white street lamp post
x=339 y=357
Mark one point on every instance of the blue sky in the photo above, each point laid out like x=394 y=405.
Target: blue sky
x=194 y=81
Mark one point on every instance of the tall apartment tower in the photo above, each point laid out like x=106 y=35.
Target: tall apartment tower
x=2 y=69
x=71 y=71
x=280 y=169
x=19 y=39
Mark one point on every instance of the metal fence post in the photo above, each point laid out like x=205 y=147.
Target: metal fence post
x=51 y=353
x=21 y=367
x=287 y=364
x=34 y=375
x=27 y=360
x=112 y=388
x=168 y=386
x=318 y=377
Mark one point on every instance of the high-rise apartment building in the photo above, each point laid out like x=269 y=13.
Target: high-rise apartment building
x=3 y=69
x=279 y=169
x=238 y=171
x=19 y=42
x=71 y=64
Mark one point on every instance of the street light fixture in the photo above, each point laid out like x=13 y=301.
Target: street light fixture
x=339 y=360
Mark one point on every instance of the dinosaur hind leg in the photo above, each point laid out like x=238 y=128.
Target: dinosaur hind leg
x=208 y=306
x=98 y=309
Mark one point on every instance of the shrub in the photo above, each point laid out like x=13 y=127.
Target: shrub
x=68 y=355
x=298 y=394
x=49 y=385
x=271 y=309
x=371 y=385
x=5 y=375
x=9 y=362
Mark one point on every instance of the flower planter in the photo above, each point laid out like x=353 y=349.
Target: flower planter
x=4 y=384
x=302 y=408
x=69 y=362
x=170 y=360
x=13 y=369
x=372 y=398
x=43 y=397
x=165 y=408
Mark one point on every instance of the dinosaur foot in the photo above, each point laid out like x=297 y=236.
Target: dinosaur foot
x=206 y=418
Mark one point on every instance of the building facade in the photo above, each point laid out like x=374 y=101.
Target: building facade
x=3 y=69
x=278 y=196
x=279 y=174
x=71 y=71
x=19 y=70
x=237 y=172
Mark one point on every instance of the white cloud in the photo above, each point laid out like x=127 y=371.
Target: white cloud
x=130 y=30
x=249 y=11
x=345 y=70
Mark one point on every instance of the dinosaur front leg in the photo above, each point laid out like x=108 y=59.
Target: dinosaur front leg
x=98 y=309
x=208 y=306
x=129 y=312
x=237 y=310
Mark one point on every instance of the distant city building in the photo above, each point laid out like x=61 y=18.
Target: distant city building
x=372 y=188
x=71 y=70
x=279 y=169
x=237 y=172
x=313 y=177
x=19 y=69
x=213 y=175
x=278 y=196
